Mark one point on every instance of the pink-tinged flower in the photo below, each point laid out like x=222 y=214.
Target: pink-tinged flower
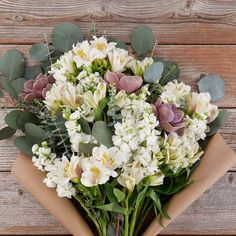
x=128 y=83
x=36 y=89
x=170 y=117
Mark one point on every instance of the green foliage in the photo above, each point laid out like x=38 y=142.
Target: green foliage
x=39 y=51
x=65 y=35
x=8 y=87
x=12 y=117
x=212 y=84
x=112 y=207
x=119 y=194
x=6 y=132
x=23 y=144
x=34 y=130
x=84 y=125
x=18 y=85
x=12 y=65
x=153 y=72
x=219 y=122
x=86 y=148
x=102 y=133
x=119 y=43
x=99 y=112
x=142 y=40
x=26 y=117
x=31 y=72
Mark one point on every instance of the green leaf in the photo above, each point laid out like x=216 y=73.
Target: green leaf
x=219 y=122
x=34 y=130
x=100 y=109
x=119 y=43
x=31 y=72
x=86 y=148
x=119 y=194
x=6 y=132
x=102 y=133
x=142 y=40
x=65 y=35
x=18 y=85
x=12 y=64
x=153 y=72
x=113 y=207
x=109 y=193
x=12 y=117
x=39 y=51
x=8 y=87
x=26 y=117
x=84 y=125
x=22 y=144
x=212 y=84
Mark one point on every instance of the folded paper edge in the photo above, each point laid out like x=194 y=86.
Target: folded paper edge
x=63 y=209
x=217 y=160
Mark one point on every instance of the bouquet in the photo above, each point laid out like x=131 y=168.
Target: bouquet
x=117 y=134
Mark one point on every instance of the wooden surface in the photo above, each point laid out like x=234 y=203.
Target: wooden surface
x=200 y=35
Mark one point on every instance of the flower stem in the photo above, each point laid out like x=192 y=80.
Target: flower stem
x=133 y=221
x=126 y=229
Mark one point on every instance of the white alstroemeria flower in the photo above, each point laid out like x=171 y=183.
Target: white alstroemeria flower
x=118 y=58
x=93 y=99
x=94 y=172
x=176 y=93
x=157 y=178
x=83 y=55
x=111 y=158
x=120 y=99
x=63 y=95
x=65 y=190
x=139 y=67
x=100 y=47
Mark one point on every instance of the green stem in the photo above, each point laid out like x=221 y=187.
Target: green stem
x=133 y=221
x=89 y=215
x=126 y=229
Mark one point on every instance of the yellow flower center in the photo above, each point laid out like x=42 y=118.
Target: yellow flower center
x=81 y=53
x=100 y=46
x=95 y=171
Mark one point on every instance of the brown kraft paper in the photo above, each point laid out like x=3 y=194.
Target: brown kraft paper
x=218 y=158
x=62 y=208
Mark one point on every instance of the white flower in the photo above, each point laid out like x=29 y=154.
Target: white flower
x=120 y=99
x=175 y=93
x=65 y=190
x=157 y=178
x=93 y=99
x=63 y=94
x=139 y=67
x=100 y=47
x=118 y=58
x=94 y=172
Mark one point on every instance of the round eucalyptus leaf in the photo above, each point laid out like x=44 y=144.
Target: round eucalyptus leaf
x=153 y=72
x=22 y=144
x=26 y=117
x=6 y=132
x=12 y=117
x=102 y=133
x=8 y=87
x=12 y=65
x=212 y=84
x=142 y=40
x=86 y=148
x=65 y=35
x=218 y=123
x=39 y=51
x=31 y=72
x=34 y=130
x=18 y=85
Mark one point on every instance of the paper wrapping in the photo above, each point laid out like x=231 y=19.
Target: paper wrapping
x=62 y=208
x=218 y=158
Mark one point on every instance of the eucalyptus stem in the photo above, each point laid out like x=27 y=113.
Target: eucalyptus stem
x=100 y=233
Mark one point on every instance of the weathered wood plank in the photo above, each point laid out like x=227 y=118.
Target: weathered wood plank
x=8 y=152
x=210 y=214
x=173 y=22
x=193 y=61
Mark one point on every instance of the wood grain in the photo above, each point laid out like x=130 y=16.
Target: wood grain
x=21 y=214
x=173 y=21
x=193 y=60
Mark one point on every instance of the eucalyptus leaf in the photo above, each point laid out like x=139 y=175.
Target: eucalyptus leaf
x=31 y=72
x=218 y=123
x=26 y=117
x=84 y=125
x=119 y=194
x=102 y=133
x=12 y=117
x=153 y=72
x=212 y=84
x=6 y=132
x=65 y=35
x=22 y=144
x=34 y=130
x=18 y=85
x=39 y=51
x=142 y=40
x=1 y=94
x=12 y=65
x=119 y=43
x=112 y=207
x=8 y=87
x=86 y=148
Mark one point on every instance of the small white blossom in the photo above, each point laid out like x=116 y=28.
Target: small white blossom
x=139 y=67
